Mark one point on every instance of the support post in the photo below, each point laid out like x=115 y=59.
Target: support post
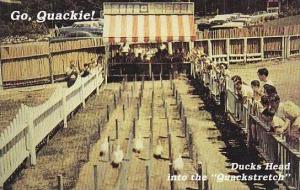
x=288 y=46
x=283 y=47
x=228 y=49
x=109 y=148
x=106 y=62
x=50 y=68
x=262 y=48
x=64 y=106
x=209 y=45
x=115 y=101
x=30 y=139
x=1 y=79
x=206 y=184
x=245 y=50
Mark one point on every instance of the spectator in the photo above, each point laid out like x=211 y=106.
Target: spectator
x=275 y=123
x=245 y=92
x=86 y=70
x=269 y=90
x=263 y=74
x=289 y=110
x=72 y=74
x=255 y=85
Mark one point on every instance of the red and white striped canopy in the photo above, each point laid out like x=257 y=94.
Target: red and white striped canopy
x=148 y=28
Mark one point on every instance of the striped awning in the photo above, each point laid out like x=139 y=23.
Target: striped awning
x=148 y=28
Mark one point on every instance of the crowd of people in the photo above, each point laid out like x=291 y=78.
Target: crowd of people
x=74 y=71
x=282 y=117
x=138 y=54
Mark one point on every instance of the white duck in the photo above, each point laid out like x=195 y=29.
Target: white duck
x=104 y=147
x=138 y=144
x=158 y=151
x=117 y=156
x=178 y=164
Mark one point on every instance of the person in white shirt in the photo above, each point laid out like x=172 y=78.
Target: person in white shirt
x=263 y=74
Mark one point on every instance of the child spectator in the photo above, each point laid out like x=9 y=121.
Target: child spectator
x=255 y=85
x=72 y=74
x=263 y=74
x=269 y=90
x=86 y=70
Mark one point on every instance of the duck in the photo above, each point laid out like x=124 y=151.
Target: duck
x=158 y=150
x=178 y=164
x=104 y=147
x=117 y=157
x=138 y=144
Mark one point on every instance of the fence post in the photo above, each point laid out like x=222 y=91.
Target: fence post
x=30 y=137
x=288 y=46
x=50 y=68
x=209 y=45
x=245 y=50
x=82 y=93
x=283 y=47
x=262 y=48
x=228 y=49
x=64 y=109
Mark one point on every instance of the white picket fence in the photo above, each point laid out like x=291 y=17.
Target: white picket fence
x=32 y=124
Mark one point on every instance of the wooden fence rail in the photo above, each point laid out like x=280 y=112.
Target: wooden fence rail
x=44 y=61
x=32 y=124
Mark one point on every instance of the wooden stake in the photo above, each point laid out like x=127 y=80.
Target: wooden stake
x=133 y=131
x=170 y=147
x=60 y=182
x=109 y=148
x=96 y=178
x=185 y=127
x=171 y=174
x=99 y=129
x=138 y=111
x=115 y=101
x=147 y=178
x=117 y=129
x=199 y=170
x=107 y=112
x=191 y=145
x=123 y=112
x=151 y=127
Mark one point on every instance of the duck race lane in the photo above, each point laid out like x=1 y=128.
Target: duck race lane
x=131 y=173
